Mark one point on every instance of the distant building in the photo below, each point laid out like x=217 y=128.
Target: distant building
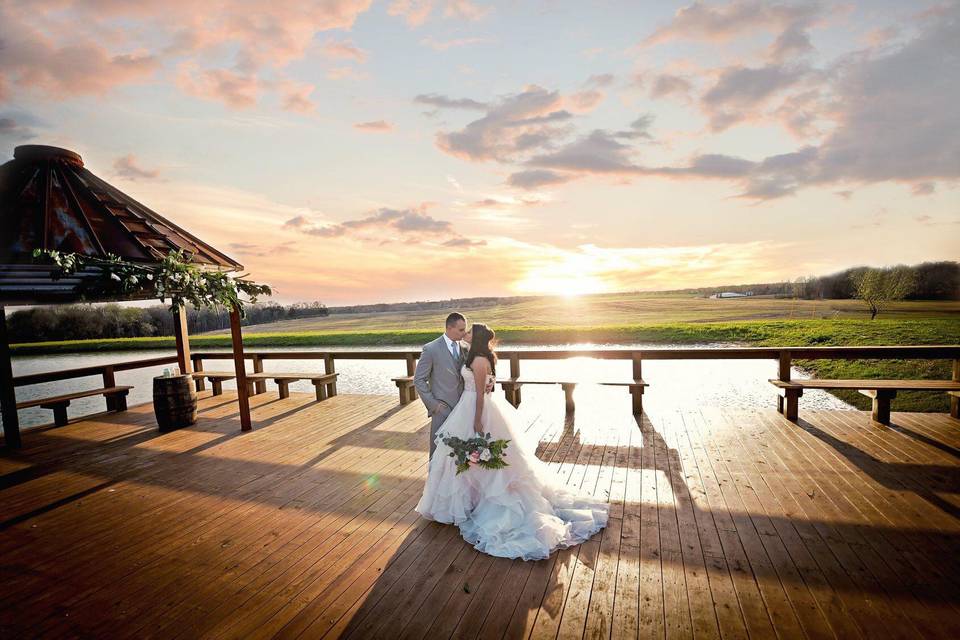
x=731 y=294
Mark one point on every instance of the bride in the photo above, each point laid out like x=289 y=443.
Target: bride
x=523 y=510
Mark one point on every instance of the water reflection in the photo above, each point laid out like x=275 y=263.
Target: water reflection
x=674 y=384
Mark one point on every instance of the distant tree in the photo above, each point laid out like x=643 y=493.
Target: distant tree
x=879 y=287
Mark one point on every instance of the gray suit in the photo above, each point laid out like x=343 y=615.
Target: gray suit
x=437 y=379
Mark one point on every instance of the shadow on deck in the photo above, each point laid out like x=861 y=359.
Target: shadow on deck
x=723 y=523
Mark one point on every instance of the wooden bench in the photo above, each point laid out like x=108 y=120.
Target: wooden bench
x=636 y=392
x=325 y=384
x=881 y=391
x=408 y=392
x=216 y=379
x=511 y=389
x=116 y=401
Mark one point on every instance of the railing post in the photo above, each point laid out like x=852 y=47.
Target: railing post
x=8 y=394
x=515 y=374
x=239 y=367
x=785 y=366
x=784 y=396
x=411 y=364
x=637 y=370
x=328 y=368
x=259 y=385
x=954 y=399
x=114 y=402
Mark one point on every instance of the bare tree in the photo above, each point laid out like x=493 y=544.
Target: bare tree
x=879 y=287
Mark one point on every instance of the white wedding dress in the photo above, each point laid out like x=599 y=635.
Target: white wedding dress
x=521 y=511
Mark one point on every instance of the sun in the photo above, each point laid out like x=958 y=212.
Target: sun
x=573 y=276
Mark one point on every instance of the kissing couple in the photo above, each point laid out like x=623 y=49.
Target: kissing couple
x=523 y=510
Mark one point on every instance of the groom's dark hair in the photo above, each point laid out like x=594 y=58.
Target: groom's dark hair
x=454 y=318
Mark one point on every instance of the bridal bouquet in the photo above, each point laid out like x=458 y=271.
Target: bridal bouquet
x=479 y=451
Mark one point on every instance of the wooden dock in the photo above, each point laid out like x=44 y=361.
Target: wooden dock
x=725 y=524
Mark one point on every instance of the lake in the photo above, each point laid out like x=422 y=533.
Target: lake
x=674 y=384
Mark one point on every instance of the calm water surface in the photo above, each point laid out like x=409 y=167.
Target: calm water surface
x=674 y=384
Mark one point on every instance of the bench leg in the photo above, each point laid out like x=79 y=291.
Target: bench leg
x=321 y=390
x=284 y=387
x=412 y=393
x=404 y=395
x=789 y=403
x=331 y=389
x=250 y=388
x=60 y=413
x=119 y=402
x=217 y=386
x=955 y=407
x=200 y=384
x=637 y=397
x=881 y=404
x=568 y=396
x=260 y=386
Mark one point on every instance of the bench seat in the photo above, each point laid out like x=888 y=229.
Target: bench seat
x=116 y=401
x=511 y=388
x=881 y=391
x=408 y=392
x=216 y=379
x=325 y=384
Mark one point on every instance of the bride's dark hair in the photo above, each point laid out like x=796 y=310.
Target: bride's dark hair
x=481 y=345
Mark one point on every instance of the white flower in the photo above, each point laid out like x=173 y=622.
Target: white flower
x=149 y=276
x=114 y=276
x=485 y=455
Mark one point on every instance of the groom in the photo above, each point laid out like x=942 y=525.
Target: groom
x=437 y=378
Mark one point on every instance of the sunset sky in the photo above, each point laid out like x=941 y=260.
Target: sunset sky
x=352 y=151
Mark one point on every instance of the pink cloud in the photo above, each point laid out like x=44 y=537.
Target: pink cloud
x=128 y=167
x=236 y=90
x=344 y=50
x=376 y=126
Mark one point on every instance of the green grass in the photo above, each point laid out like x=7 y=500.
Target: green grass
x=776 y=333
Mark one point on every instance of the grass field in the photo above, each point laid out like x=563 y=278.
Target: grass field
x=626 y=319
x=615 y=309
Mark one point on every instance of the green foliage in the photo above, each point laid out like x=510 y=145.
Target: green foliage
x=173 y=277
x=462 y=449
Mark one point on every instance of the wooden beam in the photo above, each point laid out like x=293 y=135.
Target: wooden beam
x=183 y=341
x=955 y=400
x=241 y=370
x=8 y=396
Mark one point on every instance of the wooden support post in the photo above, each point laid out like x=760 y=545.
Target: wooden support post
x=198 y=366
x=284 y=388
x=217 y=386
x=8 y=394
x=184 y=361
x=881 y=404
x=783 y=398
x=637 y=370
x=636 y=394
x=411 y=371
x=110 y=380
x=321 y=389
x=241 y=369
x=568 y=395
x=514 y=396
x=60 y=413
x=789 y=403
x=259 y=385
x=328 y=367
x=955 y=399
x=784 y=373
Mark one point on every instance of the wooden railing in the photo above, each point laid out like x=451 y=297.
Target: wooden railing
x=784 y=356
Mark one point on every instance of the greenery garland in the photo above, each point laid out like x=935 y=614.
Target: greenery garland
x=173 y=277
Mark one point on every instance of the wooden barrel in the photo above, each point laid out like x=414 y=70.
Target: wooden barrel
x=174 y=402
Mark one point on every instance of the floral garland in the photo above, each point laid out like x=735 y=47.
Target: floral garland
x=173 y=277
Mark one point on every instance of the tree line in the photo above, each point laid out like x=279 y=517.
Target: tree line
x=926 y=281
x=87 y=321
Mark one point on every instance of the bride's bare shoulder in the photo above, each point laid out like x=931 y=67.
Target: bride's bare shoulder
x=480 y=362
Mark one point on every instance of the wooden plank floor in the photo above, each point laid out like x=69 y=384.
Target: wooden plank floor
x=725 y=524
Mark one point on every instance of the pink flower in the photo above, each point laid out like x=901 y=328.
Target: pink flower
x=475 y=456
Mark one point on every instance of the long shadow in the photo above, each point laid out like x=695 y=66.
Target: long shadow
x=419 y=566
x=919 y=477
x=925 y=439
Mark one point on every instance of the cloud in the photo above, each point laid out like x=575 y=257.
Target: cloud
x=597 y=152
x=667 y=85
x=465 y=9
x=923 y=188
x=412 y=225
x=443 y=45
x=415 y=12
x=514 y=125
x=721 y=23
x=11 y=128
x=639 y=128
x=740 y=91
x=296 y=97
x=127 y=167
x=375 y=126
x=534 y=178
x=464 y=242
x=443 y=102
x=226 y=51
x=344 y=50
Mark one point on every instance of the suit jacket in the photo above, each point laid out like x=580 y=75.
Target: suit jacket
x=437 y=376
